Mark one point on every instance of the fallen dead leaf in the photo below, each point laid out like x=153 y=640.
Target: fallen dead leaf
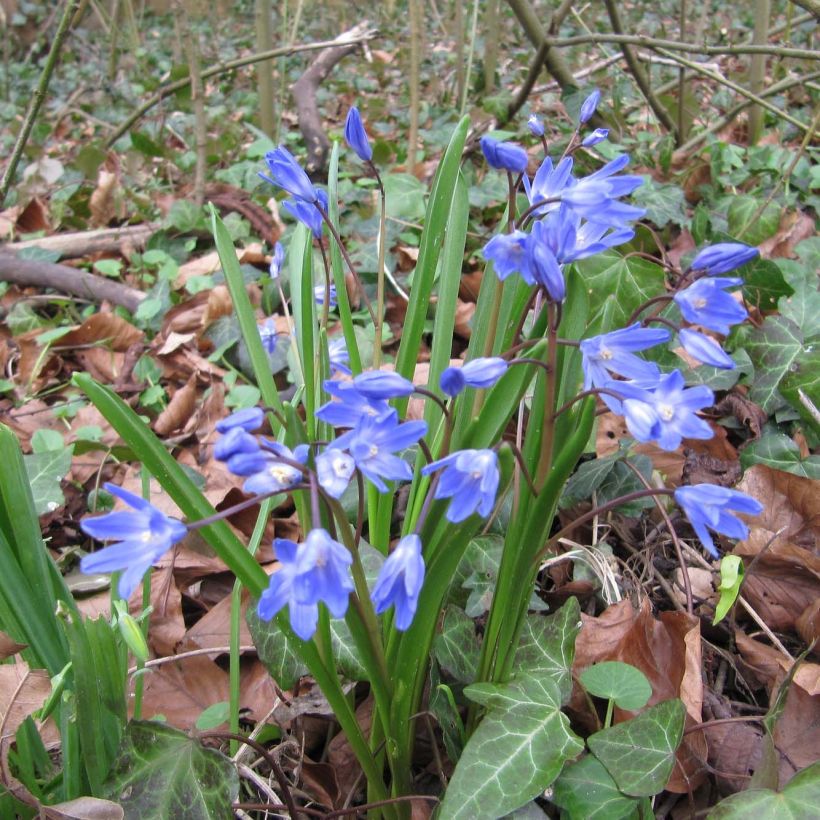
x=795 y=226
x=179 y=409
x=84 y=808
x=107 y=328
x=107 y=202
x=9 y=647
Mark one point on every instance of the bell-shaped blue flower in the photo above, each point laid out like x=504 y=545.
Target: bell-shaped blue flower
x=589 y=105
x=508 y=253
x=356 y=136
x=470 y=478
x=536 y=126
x=544 y=266
x=265 y=468
x=383 y=384
x=706 y=303
x=276 y=261
x=710 y=507
x=350 y=407
x=235 y=441
x=505 y=156
x=705 y=349
x=323 y=573
x=268 y=334
x=338 y=357
x=143 y=536
x=400 y=581
x=598 y=135
x=286 y=173
x=308 y=213
x=724 y=257
x=248 y=418
x=334 y=468
x=319 y=295
x=482 y=372
x=614 y=353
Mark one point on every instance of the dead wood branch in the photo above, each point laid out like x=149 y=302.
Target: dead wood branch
x=84 y=243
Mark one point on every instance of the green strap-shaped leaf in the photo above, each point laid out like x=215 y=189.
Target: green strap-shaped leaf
x=585 y=791
x=799 y=800
x=547 y=646
x=518 y=749
x=639 y=754
x=162 y=773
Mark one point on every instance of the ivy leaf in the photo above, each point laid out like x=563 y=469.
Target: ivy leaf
x=586 y=480
x=547 y=646
x=781 y=453
x=517 y=750
x=763 y=284
x=621 y=682
x=663 y=201
x=586 y=791
x=746 y=225
x=456 y=647
x=798 y=800
x=639 y=754
x=803 y=308
x=45 y=472
x=162 y=772
x=801 y=385
x=275 y=650
x=405 y=196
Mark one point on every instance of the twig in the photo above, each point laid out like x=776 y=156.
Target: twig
x=38 y=98
x=224 y=68
x=193 y=653
x=762 y=624
x=84 y=243
x=637 y=71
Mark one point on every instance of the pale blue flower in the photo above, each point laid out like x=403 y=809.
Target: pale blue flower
x=705 y=349
x=706 y=303
x=470 y=478
x=356 y=136
x=482 y=372
x=286 y=173
x=724 y=257
x=505 y=156
x=400 y=581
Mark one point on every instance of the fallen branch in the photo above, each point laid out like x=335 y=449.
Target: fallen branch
x=223 y=68
x=29 y=273
x=84 y=243
x=304 y=94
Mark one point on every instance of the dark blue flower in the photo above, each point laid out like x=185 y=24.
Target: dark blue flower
x=280 y=592
x=286 y=173
x=356 y=136
x=482 y=372
x=277 y=260
x=248 y=418
x=383 y=384
x=705 y=349
x=508 y=253
x=589 y=105
x=536 y=126
x=506 y=156
x=334 y=467
x=708 y=506
x=400 y=580
x=665 y=414
x=598 y=135
x=308 y=213
x=144 y=535
x=614 y=352
x=372 y=445
x=706 y=303
x=545 y=269
x=724 y=257
x=351 y=406
x=470 y=478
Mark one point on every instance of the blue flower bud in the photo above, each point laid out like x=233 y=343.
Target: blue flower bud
x=589 y=105
x=356 y=136
x=286 y=173
x=506 y=156
x=598 y=135
x=536 y=126
x=723 y=257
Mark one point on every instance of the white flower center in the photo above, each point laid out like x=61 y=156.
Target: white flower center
x=374 y=450
x=700 y=303
x=606 y=353
x=666 y=412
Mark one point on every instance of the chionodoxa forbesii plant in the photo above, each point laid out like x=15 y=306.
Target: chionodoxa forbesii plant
x=388 y=505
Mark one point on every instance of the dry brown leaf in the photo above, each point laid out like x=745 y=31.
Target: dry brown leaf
x=34 y=217
x=219 y=304
x=795 y=226
x=735 y=753
x=341 y=756
x=102 y=365
x=179 y=409
x=9 y=647
x=108 y=328
x=319 y=780
x=182 y=689
x=464 y=316
x=84 y=808
x=166 y=625
x=808 y=625
x=257 y=691
x=214 y=628
x=107 y=202
x=201 y=266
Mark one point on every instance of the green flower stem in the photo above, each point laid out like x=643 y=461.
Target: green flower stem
x=139 y=684
x=377 y=345
x=548 y=430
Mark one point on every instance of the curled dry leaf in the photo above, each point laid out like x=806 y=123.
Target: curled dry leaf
x=105 y=328
x=667 y=649
x=9 y=647
x=107 y=202
x=179 y=409
x=83 y=808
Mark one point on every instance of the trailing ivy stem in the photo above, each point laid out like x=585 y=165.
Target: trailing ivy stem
x=548 y=431
x=351 y=267
x=377 y=348
x=588 y=516
x=655 y=300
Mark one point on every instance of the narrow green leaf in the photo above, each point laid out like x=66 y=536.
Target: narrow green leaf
x=639 y=754
x=161 y=772
x=621 y=682
x=518 y=749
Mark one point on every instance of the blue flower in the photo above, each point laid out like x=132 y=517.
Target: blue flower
x=543 y=265
x=334 y=468
x=614 y=352
x=665 y=414
x=248 y=418
x=705 y=349
x=319 y=295
x=372 y=445
x=589 y=105
x=723 y=257
x=235 y=441
x=470 y=478
x=308 y=213
x=506 y=156
x=383 y=384
x=280 y=591
x=596 y=197
x=708 y=506
x=508 y=253
x=356 y=136
x=286 y=173
x=266 y=471
x=143 y=535
x=268 y=334
x=351 y=406
x=482 y=372
x=400 y=580
x=323 y=573
x=705 y=303
x=598 y=135
x=536 y=126
x=276 y=261
x=338 y=356
x=548 y=184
